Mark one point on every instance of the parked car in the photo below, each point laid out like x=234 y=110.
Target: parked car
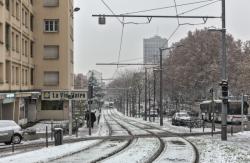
x=10 y=132
x=180 y=118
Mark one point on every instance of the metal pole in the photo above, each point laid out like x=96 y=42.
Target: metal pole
x=89 y=121
x=145 y=102
x=224 y=73
x=139 y=102
x=161 y=87
x=154 y=93
x=149 y=104
x=70 y=117
x=242 y=109
x=127 y=103
x=212 y=91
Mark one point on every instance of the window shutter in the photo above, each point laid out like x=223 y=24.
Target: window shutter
x=51 y=78
x=51 y=3
x=51 y=52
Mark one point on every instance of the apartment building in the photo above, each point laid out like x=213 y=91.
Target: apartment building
x=151 y=49
x=36 y=54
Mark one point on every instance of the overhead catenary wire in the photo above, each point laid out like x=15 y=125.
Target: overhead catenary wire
x=167 y=7
x=123 y=23
x=190 y=10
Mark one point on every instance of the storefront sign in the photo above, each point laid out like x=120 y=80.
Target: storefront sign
x=64 y=95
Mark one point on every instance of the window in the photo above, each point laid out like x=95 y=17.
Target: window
x=31 y=49
x=17 y=43
x=7 y=4
x=7 y=36
x=31 y=22
x=23 y=76
x=1 y=73
x=51 y=52
x=13 y=41
x=17 y=11
x=17 y=75
x=31 y=76
x=52 y=105
x=51 y=78
x=13 y=8
x=26 y=48
x=1 y=33
x=26 y=77
x=50 y=3
x=26 y=19
x=51 y=25
x=13 y=75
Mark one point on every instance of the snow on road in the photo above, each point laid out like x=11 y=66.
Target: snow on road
x=176 y=150
x=94 y=153
x=140 y=150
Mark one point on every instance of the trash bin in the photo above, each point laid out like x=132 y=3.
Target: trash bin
x=58 y=135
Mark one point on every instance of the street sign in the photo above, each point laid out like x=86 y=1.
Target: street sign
x=64 y=95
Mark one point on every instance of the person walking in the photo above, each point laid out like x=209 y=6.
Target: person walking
x=93 y=119
x=98 y=115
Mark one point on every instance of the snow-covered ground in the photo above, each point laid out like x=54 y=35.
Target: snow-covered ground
x=47 y=154
x=212 y=150
x=167 y=126
x=41 y=126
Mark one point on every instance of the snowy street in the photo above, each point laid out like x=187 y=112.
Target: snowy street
x=125 y=139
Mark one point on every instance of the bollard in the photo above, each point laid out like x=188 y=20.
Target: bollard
x=51 y=129
x=76 y=129
x=232 y=130
x=58 y=134
x=203 y=125
x=47 y=144
x=190 y=126
x=13 y=144
x=212 y=130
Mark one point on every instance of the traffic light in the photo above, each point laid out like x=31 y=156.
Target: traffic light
x=90 y=91
x=224 y=91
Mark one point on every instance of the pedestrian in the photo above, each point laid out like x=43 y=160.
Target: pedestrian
x=98 y=115
x=93 y=119
x=87 y=118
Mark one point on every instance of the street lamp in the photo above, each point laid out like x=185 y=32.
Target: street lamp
x=76 y=9
x=161 y=85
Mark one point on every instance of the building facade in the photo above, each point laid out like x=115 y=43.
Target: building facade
x=36 y=54
x=151 y=52
x=81 y=81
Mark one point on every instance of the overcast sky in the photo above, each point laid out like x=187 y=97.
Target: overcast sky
x=96 y=43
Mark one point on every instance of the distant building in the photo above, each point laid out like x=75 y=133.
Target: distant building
x=151 y=52
x=96 y=74
x=81 y=81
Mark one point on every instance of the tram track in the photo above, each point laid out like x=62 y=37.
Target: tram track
x=196 y=152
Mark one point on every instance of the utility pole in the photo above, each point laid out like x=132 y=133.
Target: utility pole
x=161 y=88
x=242 y=111
x=154 y=92
x=224 y=75
x=127 y=102
x=145 y=102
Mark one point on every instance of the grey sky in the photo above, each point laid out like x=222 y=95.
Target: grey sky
x=96 y=43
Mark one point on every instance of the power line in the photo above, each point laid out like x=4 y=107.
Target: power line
x=199 y=7
x=121 y=41
x=167 y=7
x=176 y=11
x=111 y=10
